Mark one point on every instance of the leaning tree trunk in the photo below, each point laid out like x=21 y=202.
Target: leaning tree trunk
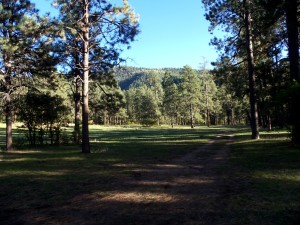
x=85 y=85
x=251 y=72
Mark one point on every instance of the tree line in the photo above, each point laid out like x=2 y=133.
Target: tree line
x=177 y=97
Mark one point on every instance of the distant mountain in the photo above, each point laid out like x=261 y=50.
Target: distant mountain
x=128 y=76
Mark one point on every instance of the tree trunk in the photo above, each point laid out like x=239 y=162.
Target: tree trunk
x=30 y=135
x=291 y=7
x=228 y=115
x=269 y=122
x=8 y=101
x=191 y=116
x=251 y=72
x=232 y=117
x=105 y=118
x=207 y=118
x=207 y=107
x=8 y=119
x=34 y=135
x=51 y=134
x=77 y=111
x=85 y=85
x=77 y=96
x=293 y=43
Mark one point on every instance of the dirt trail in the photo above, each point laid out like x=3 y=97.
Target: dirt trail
x=187 y=190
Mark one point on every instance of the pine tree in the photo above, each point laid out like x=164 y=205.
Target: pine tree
x=236 y=17
x=171 y=98
x=190 y=92
x=22 y=52
x=289 y=10
x=211 y=104
x=99 y=28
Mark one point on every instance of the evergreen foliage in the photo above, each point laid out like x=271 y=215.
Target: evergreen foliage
x=45 y=118
x=257 y=35
x=24 y=53
x=92 y=33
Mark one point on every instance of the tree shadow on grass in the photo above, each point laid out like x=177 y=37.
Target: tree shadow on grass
x=100 y=199
x=80 y=189
x=134 y=183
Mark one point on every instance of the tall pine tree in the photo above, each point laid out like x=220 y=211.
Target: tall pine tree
x=22 y=52
x=236 y=18
x=98 y=29
x=190 y=92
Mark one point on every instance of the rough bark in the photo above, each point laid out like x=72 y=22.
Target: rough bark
x=77 y=96
x=77 y=112
x=85 y=84
x=251 y=72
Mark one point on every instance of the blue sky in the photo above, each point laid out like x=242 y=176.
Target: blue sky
x=173 y=34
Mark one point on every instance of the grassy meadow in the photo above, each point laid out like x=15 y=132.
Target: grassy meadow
x=39 y=177
x=262 y=176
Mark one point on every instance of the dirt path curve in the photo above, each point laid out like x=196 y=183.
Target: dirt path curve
x=187 y=190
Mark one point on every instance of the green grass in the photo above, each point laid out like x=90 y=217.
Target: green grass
x=263 y=175
x=35 y=178
x=266 y=176
x=148 y=143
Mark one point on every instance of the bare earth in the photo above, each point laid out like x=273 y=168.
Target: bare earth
x=188 y=190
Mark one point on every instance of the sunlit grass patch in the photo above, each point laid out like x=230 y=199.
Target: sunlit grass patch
x=280 y=176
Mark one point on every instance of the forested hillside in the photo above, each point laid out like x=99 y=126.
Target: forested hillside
x=126 y=76
x=177 y=96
